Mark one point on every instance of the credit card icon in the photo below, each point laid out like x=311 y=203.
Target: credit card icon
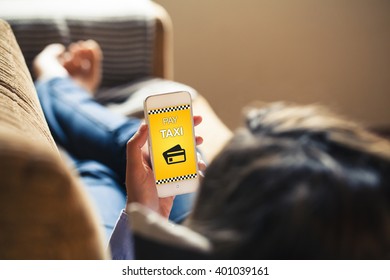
x=175 y=155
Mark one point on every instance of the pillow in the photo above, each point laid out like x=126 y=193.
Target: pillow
x=129 y=99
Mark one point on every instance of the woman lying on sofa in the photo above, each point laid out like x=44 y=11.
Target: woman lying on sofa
x=93 y=138
x=297 y=182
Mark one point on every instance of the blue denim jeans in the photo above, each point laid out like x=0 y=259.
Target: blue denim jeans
x=95 y=140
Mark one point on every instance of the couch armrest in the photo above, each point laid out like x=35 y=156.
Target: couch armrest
x=20 y=111
x=163 y=44
x=44 y=213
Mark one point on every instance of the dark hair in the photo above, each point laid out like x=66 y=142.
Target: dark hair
x=297 y=183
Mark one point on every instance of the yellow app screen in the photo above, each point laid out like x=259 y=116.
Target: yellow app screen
x=172 y=140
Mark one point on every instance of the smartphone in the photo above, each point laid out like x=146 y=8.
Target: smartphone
x=172 y=143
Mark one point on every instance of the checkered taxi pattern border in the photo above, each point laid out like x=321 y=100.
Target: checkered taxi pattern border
x=176 y=179
x=168 y=109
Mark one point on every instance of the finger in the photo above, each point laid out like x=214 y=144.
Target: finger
x=73 y=47
x=197 y=120
x=66 y=57
x=93 y=45
x=55 y=50
x=202 y=165
x=198 y=140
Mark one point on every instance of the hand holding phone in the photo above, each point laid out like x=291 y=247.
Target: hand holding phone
x=172 y=143
x=140 y=180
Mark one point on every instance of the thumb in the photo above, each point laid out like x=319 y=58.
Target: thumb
x=134 y=156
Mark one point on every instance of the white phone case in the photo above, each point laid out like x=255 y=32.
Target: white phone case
x=172 y=143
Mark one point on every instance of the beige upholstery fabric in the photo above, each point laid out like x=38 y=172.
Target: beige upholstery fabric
x=20 y=109
x=44 y=213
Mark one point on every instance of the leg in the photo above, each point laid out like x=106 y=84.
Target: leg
x=105 y=191
x=182 y=206
x=83 y=127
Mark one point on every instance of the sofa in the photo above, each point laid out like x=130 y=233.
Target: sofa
x=44 y=212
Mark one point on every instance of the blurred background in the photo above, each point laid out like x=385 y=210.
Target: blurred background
x=333 y=52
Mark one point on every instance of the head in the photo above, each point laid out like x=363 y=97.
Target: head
x=297 y=182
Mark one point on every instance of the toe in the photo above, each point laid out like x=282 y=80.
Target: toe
x=53 y=50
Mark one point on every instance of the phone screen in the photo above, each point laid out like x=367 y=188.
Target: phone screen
x=172 y=141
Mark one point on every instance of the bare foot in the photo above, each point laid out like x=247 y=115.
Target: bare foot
x=46 y=64
x=83 y=61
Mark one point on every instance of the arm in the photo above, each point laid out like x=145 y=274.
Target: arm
x=121 y=240
x=141 y=188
